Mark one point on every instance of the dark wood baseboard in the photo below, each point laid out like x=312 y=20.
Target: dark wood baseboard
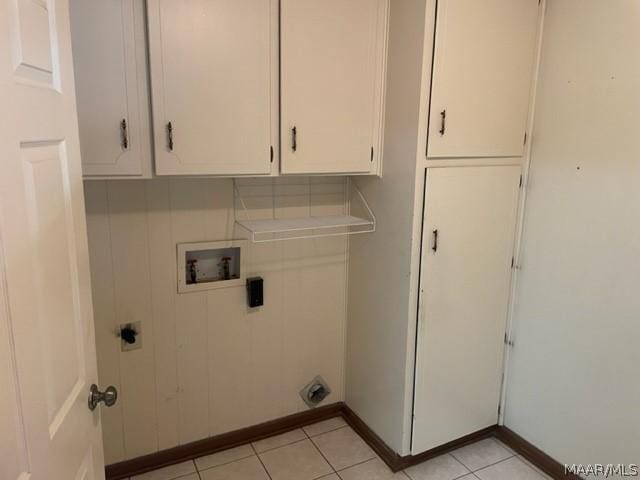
x=396 y=462
x=136 y=466
x=514 y=441
x=532 y=453
x=487 y=432
x=386 y=453
x=190 y=451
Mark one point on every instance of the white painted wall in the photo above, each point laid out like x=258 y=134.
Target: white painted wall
x=209 y=365
x=573 y=386
x=382 y=297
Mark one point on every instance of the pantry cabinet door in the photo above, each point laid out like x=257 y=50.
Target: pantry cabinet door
x=214 y=71
x=468 y=238
x=110 y=63
x=332 y=85
x=483 y=69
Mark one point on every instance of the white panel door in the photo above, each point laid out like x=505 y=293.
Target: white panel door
x=332 y=58
x=47 y=350
x=110 y=63
x=483 y=68
x=469 y=228
x=214 y=78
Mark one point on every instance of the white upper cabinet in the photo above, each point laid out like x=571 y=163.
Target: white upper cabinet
x=333 y=59
x=214 y=79
x=110 y=63
x=483 y=69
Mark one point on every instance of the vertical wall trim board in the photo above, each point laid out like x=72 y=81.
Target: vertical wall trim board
x=429 y=34
x=418 y=306
x=521 y=213
x=432 y=62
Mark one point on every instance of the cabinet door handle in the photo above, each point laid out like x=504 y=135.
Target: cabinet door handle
x=443 y=125
x=124 y=134
x=435 y=241
x=294 y=139
x=170 y=137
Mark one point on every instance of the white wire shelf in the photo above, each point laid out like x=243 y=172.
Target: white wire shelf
x=277 y=229
x=296 y=228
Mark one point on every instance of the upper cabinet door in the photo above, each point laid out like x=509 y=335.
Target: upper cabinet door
x=109 y=52
x=333 y=56
x=483 y=69
x=214 y=74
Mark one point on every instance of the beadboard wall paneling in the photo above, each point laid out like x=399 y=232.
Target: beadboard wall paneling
x=208 y=364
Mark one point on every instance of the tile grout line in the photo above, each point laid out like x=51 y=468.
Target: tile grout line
x=532 y=466
x=468 y=472
x=260 y=460
x=316 y=447
x=500 y=444
x=492 y=464
x=193 y=460
x=179 y=476
x=358 y=464
x=221 y=464
x=279 y=446
x=333 y=470
x=465 y=474
x=460 y=462
x=528 y=464
x=328 y=431
x=336 y=471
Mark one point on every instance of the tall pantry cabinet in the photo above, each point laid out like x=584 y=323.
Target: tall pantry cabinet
x=469 y=229
x=483 y=66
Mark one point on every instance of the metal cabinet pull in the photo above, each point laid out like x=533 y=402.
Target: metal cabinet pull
x=435 y=241
x=124 y=134
x=294 y=139
x=170 y=137
x=443 y=115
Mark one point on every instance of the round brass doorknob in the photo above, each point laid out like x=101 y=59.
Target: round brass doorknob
x=109 y=397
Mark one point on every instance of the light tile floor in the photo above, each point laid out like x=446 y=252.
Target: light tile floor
x=331 y=450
